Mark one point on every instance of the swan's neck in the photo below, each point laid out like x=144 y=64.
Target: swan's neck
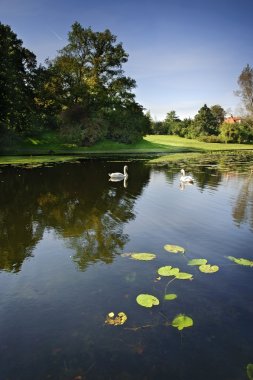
x=125 y=171
x=183 y=172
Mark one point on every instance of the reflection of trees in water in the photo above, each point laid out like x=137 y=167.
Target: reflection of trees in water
x=76 y=201
x=19 y=231
x=204 y=177
x=208 y=169
x=243 y=208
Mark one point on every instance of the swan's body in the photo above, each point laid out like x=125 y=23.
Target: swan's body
x=119 y=176
x=186 y=178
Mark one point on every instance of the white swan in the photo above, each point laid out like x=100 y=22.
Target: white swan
x=119 y=176
x=186 y=178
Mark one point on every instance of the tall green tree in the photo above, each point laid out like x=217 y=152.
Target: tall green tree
x=95 y=95
x=218 y=113
x=17 y=72
x=171 y=122
x=245 y=83
x=90 y=66
x=204 y=123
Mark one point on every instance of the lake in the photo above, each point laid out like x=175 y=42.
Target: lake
x=65 y=242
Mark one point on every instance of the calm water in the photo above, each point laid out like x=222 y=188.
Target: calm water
x=63 y=230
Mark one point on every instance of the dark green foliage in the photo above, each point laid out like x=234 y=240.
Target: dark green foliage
x=158 y=128
x=204 y=123
x=171 y=123
x=81 y=91
x=127 y=124
x=95 y=95
x=81 y=127
x=218 y=113
x=89 y=68
x=17 y=71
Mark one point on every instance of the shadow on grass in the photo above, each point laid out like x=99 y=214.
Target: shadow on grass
x=166 y=148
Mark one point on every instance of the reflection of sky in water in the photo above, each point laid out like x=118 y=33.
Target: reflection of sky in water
x=193 y=216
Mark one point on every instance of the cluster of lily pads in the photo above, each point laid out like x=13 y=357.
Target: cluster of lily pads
x=181 y=321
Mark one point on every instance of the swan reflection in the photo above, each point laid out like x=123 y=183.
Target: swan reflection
x=183 y=185
x=119 y=180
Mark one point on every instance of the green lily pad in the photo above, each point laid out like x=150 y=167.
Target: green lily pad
x=143 y=256
x=174 y=248
x=250 y=371
x=184 y=276
x=181 y=321
x=168 y=271
x=207 y=268
x=170 y=297
x=197 y=262
x=147 y=300
x=241 y=261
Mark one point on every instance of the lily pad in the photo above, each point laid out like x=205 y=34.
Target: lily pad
x=147 y=300
x=120 y=319
x=250 y=371
x=241 y=261
x=207 y=268
x=143 y=256
x=168 y=271
x=181 y=321
x=174 y=248
x=197 y=262
x=170 y=297
x=184 y=276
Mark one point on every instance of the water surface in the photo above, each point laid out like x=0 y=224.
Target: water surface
x=64 y=232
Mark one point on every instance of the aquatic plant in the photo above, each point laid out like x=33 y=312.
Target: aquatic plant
x=117 y=320
x=147 y=300
x=168 y=271
x=241 y=261
x=170 y=297
x=197 y=262
x=250 y=371
x=207 y=268
x=174 y=248
x=181 y=321
x=143 y=256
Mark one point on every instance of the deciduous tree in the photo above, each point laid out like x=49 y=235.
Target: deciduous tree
x=17 y=71
x=245 y=83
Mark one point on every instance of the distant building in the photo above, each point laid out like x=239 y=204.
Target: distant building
x=233 y=119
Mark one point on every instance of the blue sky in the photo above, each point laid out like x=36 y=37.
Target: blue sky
x=182 y=53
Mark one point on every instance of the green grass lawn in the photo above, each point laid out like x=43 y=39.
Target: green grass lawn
x=49 y=143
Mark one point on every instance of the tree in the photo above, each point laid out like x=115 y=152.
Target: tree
x=90 y=67
x=94 y=90
x=237 y=132
x=128 y=124
x=171 y=122
x=204 y=123
x=17 y=72
x=218 y=113
x=245 y=83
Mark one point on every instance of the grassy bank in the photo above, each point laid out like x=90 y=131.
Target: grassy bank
x=50 y=145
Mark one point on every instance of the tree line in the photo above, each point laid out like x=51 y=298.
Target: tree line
x=209 y=125
x=84 y=95
x=83 y=92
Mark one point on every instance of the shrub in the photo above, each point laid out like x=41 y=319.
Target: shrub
x=237 y=132
x=210 y=139
x=81 y=128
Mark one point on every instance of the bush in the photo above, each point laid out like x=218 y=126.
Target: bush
x=127 y=125
x=237 y=133
x=81 y=128
x=210 y=139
